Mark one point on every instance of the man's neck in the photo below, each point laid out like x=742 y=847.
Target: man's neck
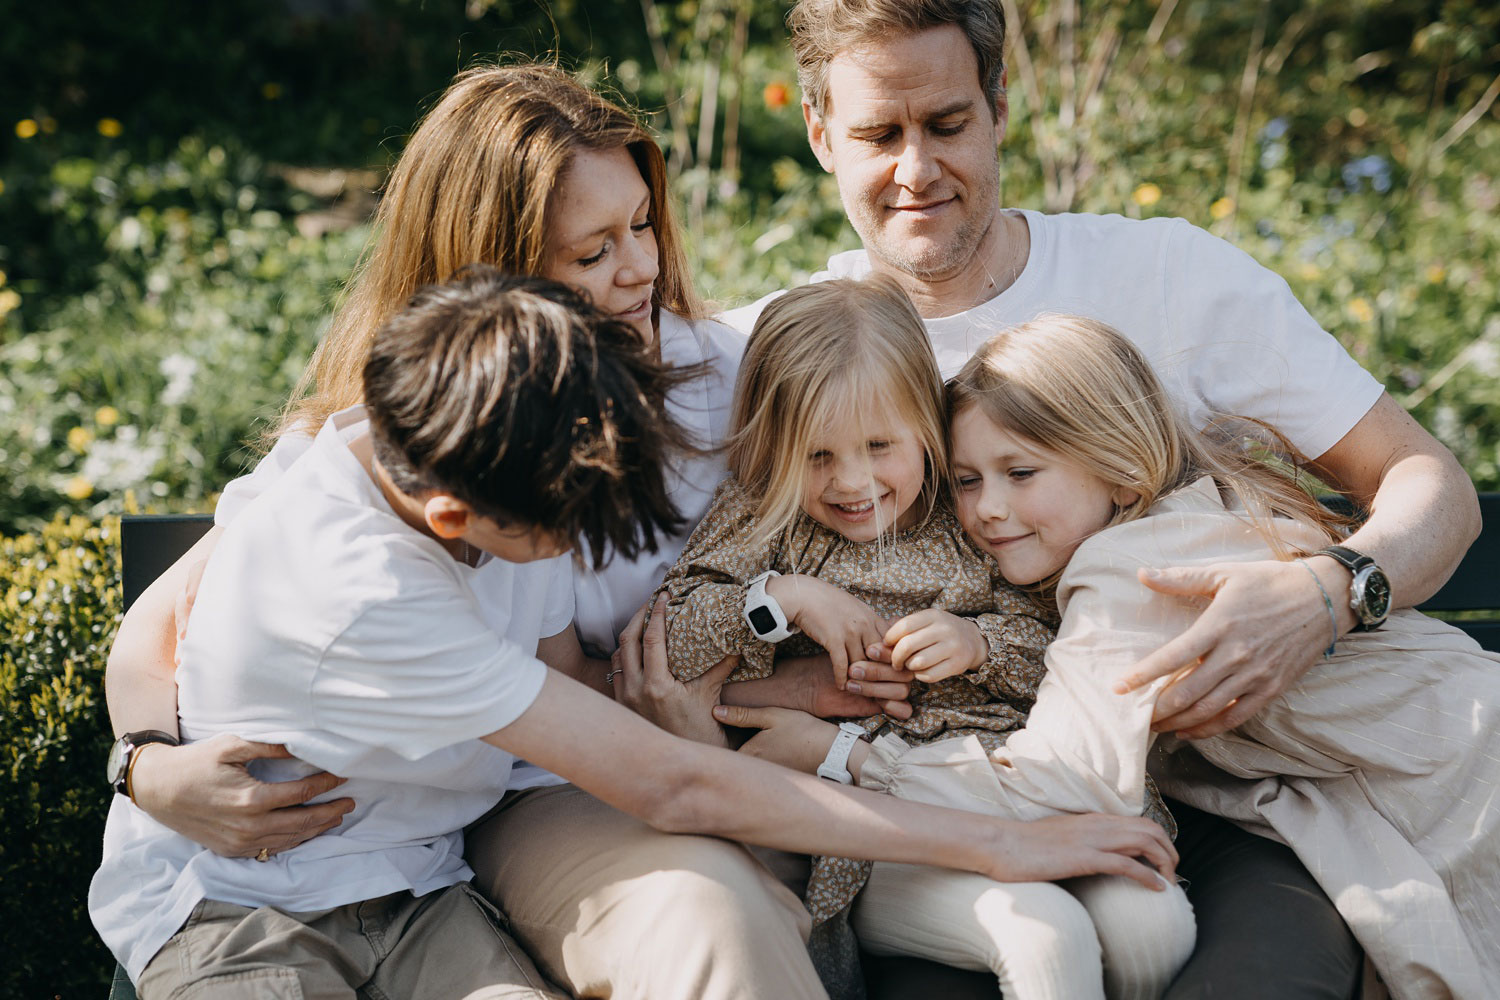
x=995 y=265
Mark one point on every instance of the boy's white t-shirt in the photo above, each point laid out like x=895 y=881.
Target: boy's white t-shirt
x=1225 y=334
x=325 y=622
x=606 y=599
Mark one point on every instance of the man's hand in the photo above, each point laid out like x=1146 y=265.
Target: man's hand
x=205 y=792
x=933 y=645
x=806 y=683
x=1266 y=626
x=645 y=685
x=787 y=737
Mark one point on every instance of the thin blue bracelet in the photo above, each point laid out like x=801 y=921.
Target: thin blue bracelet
x=1327 y=604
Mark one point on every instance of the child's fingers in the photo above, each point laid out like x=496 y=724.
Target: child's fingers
x=947 y=665
x=906 y=626
x=904 y=654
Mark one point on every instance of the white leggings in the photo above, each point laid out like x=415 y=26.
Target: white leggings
x=1079 y=939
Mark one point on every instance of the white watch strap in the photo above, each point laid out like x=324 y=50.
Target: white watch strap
x=763 y=613
x=835 y=766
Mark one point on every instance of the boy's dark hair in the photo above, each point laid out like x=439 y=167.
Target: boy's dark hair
x=519 y=398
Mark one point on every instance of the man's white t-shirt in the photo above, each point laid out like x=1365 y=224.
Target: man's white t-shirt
x=606 y=599
x=325 y=622
x=1225 y=334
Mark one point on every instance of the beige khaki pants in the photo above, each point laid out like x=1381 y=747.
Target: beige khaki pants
x=609 y=907
x=446 y=945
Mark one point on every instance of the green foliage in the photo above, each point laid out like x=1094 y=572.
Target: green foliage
x=202 y=310
x=59 y=605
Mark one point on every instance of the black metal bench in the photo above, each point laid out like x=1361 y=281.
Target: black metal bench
x=151 y=543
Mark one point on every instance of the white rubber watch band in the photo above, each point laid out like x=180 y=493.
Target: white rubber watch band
x=835 y=766
x=762 y=612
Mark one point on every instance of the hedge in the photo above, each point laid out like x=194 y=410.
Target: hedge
x=58 y=615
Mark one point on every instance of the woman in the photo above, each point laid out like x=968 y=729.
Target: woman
x=522 y=168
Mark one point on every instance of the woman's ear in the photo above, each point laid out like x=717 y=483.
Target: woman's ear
x=1124 y=496
x=447 y=516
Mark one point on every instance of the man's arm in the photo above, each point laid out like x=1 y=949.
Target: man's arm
x=1267 y=623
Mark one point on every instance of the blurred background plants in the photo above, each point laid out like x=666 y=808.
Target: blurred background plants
x=181 y=198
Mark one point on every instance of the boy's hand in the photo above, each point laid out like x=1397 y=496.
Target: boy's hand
x=787 y=737
x=839 y=622
x=933 y=645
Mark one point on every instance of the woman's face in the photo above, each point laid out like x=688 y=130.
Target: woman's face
x=602 y=239
x=1027 y=506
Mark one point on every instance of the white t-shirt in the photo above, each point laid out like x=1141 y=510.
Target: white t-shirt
x=607 y=598
x=1224 y=334
x=325 y=622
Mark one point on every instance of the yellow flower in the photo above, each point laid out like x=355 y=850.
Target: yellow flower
x=106 y=416
x=9 y=299
x=1436 y=274
x=79 y=488
x=1146 y=195
x=1357 y=117
x=110 y=128
x=1310 y=271
x=25 y=128
x=1361 y=310
x=1221 y=209
x=79 y=439
x=270 y=91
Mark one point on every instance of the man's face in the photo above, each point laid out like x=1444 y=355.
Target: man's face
x=913 y=140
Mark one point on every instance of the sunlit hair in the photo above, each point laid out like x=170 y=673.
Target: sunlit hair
x=821 y=29
x=519 y=398
x=826 y=355
x=1078 y=388
x=473 y=186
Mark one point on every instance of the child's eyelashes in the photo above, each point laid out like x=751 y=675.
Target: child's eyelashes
x=968 y=482
x=877 y=445
x=1020 y=475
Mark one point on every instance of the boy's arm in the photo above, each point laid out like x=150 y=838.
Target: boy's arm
x=685 y=787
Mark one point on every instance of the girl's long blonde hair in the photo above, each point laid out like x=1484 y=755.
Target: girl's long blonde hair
x=826 y=354
x=474 y=185
x=1078 y=388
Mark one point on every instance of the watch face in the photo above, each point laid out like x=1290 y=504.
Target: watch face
x=1373 y=590
x=762 y=620
x=114 y=768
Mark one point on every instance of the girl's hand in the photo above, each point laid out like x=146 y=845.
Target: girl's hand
x=1058 y=847
x=787 y=737
x=204 y=792
x=933 y=645
x=839 y=622
x=644 y=685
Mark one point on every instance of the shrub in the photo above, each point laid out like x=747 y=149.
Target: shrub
x=59 y=607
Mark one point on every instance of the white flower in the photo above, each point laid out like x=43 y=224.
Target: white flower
x=179 y=370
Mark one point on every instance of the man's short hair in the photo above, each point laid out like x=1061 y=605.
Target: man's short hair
x=821 y=29
x=519 y=398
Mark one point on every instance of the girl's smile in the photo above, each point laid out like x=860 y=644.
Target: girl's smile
x=864 y=481
x=1026 y=506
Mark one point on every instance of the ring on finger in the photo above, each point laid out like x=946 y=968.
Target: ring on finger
x=609 y=678
x=263 y=855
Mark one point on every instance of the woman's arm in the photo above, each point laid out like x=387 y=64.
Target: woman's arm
x=686 y=787
x=203 y=790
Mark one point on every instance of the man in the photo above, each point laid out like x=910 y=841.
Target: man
x=905 y=104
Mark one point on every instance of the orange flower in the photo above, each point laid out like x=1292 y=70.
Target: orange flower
x=776 y=96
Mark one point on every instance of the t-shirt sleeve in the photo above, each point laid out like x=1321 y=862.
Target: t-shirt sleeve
x=743 y=318
x=286 y=451
x=561 y=605
x=1245 y=346
x=416 y=672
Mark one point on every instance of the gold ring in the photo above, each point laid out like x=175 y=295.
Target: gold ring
x=264 y=855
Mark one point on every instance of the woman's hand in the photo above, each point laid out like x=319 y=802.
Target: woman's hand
x=1266 y=626
x=839 y=622
x=205 y=792
x=643 y=684
x=933 y=645
x=787 y=737
x=1046 y=850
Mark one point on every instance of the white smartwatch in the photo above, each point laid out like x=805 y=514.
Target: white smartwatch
x=835 y=766
x=763 y=614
